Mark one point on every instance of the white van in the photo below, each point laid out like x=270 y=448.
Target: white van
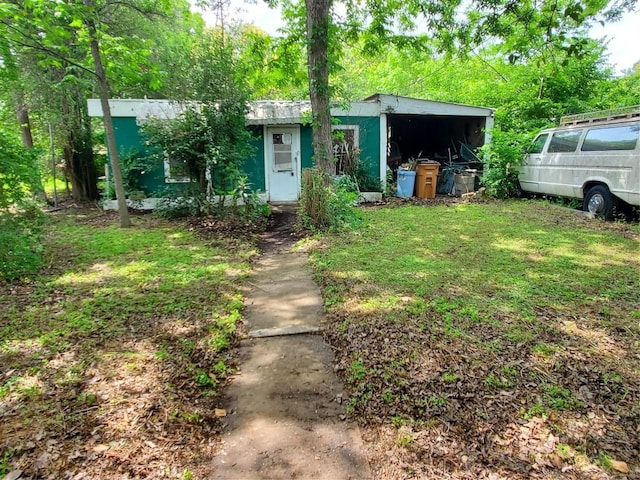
x=593 y=157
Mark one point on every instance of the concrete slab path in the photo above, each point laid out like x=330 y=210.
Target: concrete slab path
x=285 y=404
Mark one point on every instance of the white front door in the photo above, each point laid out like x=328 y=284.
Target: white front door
x=282 y=147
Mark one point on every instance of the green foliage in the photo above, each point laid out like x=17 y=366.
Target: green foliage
x=327 y=204
x=20 y=219
x=5 y=461
x=502 y=157
x=208 y=143
x=18 y=172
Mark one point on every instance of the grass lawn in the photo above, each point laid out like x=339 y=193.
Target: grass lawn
x=112 y=358
x=489 y=339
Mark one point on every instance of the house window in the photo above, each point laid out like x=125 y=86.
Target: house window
x=175 y=171
x=346 y=147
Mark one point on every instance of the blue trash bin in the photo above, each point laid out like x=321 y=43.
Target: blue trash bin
x=406 y=183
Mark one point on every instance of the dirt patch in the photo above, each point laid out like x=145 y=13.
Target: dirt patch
x=280 y=233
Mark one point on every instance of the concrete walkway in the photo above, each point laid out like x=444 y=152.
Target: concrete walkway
x=285 y=403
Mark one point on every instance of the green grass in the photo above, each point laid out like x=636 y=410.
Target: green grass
x=120 y=316
x=533 y=305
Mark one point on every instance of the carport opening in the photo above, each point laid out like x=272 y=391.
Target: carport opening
x=434 y=137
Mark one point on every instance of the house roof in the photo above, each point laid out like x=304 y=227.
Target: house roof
x=280 y=112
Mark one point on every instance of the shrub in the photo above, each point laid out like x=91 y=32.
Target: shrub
x=502 y=157
x=20 y=242
x=327 y=204
x=20 y=219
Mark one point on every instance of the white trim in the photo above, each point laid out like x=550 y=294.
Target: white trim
x=261 y=112
x=357 y=109
x=416 y=106
x=167 y=173
x=383 y=150
x=349 y=126
x=488 y=126
x=147 y=204
x=265 y=163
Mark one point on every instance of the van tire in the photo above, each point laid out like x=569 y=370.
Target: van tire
x=600 y=202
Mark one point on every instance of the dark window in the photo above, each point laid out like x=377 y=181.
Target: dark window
x=538 y=144
x=345 y=148
x=565 y=141
x=611 y=138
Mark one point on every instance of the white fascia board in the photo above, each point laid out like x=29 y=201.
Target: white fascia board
x=414 y=106
x=137 y=108
x=357 y=109
x=260 y=112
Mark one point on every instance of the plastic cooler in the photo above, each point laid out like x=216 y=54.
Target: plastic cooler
x=406 y=183
x=427 y=180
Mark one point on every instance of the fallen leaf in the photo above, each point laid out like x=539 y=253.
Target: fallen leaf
x=101 y=448
x=220 y=412
x=555 y=460
x=619 y=466
x=13 y=475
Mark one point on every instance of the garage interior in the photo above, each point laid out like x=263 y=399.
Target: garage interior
x=450 y=140
x=434 y=137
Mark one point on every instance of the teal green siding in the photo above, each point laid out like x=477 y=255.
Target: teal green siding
x=369 y=137
x=306 y=147
x=254 y=166
x=131 y=143
x=151 y=180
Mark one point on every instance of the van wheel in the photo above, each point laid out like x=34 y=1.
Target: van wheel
x=599 y=202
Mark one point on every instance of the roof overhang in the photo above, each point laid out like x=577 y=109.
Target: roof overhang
x=395 y=104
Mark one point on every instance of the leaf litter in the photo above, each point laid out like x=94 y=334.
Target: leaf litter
x=437 y=402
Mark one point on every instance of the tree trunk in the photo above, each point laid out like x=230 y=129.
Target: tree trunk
x=78 y=153
x=317 y=52
x=25 y=125
x=125 y=220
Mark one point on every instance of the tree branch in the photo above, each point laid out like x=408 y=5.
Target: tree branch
x=42 y=48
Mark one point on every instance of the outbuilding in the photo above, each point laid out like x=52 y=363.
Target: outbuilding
x=383 y=130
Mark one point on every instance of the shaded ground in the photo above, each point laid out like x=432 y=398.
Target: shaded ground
x=112 y=359
x=101 y=378
x=498 y=341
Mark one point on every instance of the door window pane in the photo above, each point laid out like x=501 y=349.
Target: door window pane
x=282 y=152
x=538 y=144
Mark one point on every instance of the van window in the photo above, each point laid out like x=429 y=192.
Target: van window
x=565 y=141
x=538 y=143
x=611 y=138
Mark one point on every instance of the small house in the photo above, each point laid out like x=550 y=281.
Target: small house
x=384 y=130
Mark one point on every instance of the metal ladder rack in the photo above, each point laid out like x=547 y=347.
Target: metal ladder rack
x=601 y=116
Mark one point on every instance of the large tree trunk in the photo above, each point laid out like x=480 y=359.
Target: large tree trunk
x=125 y=220
x=78 y=153
x=317 y=52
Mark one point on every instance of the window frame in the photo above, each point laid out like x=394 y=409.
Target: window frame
x=546 y=136
x=168 y=177
x=356 y=139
